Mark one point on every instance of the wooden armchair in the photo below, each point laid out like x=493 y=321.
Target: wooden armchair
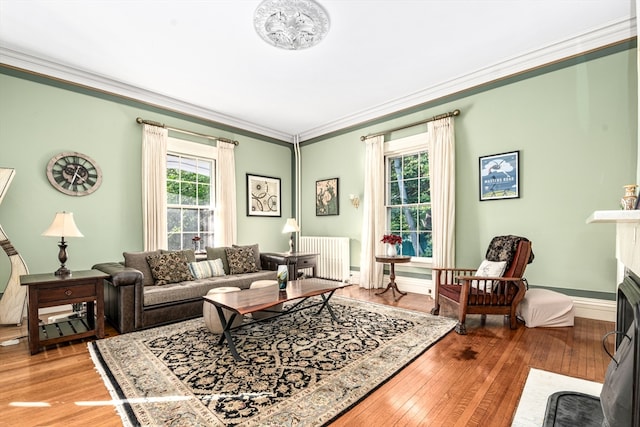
x=476 y=293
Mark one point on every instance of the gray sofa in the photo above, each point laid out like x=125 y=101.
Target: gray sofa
x=137 y=296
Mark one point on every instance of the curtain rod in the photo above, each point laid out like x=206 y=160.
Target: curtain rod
x=438 y=117
x=188 y=132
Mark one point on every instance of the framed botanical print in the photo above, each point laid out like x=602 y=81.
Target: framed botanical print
x=499 y=176
x=327 y=197
x=263 y=196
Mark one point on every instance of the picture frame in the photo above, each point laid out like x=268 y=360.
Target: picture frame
x=327 y=197
x=500 y=176
x=263 y=196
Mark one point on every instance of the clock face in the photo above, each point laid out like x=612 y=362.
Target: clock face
x=74 y=174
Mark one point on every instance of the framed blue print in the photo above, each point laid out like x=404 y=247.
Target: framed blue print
x=499 y=176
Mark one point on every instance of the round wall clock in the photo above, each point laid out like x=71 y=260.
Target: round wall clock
x=74 y=174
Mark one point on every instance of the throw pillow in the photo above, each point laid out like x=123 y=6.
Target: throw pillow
x=488 y=269
x=241 y=260
x=138 y=260
x=208 y=268
x=169 y=268
x=189 y=254
x=256 y=252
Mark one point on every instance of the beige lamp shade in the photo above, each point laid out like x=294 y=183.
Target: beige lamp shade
x=63 y=225
x=291 y=226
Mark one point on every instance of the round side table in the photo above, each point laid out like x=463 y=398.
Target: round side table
x=392 y=261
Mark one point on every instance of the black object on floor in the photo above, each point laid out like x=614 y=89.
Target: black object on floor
x=571 y=409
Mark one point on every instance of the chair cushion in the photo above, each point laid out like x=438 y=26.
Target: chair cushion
x=208 y=268
x=169 y=268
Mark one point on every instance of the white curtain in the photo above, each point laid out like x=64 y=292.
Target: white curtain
x=443 y=195
x=373 y=221
x=154 y=187
x=225 y=233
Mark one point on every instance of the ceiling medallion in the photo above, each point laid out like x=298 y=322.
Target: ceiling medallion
x=291 y=24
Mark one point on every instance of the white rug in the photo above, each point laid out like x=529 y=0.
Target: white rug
x=539 y=386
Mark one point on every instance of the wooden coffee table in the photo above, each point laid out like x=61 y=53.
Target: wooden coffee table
x=262 y=299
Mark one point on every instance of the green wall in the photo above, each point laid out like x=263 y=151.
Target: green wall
x=575 y=125
x=39 y=119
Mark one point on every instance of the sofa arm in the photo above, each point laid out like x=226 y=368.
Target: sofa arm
x=120 y=275
x=123 y=296
x=270 y=261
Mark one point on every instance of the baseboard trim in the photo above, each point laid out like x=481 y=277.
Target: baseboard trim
x=597 y=309
x=589 y=308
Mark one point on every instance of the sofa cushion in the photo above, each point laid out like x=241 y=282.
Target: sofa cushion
x=256 y=252
x=169 y=268
x=196 y=289
x=138 y=260
x=218 y=253
x=189 y=254
x=208 y=268
x=241 y=260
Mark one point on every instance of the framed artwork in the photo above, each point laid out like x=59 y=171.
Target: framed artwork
x=263 y=195
x=499 y=176
x=327 y=197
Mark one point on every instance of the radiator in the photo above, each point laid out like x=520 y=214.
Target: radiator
x=333 y=256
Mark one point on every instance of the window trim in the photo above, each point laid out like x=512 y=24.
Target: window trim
x=183 y=147
x=398 y=147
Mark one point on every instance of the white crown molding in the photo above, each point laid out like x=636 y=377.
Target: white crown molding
x=604 y=36
x=609 y=34
x=77 y=76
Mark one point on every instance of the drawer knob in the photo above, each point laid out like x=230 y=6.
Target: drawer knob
x=68 y=292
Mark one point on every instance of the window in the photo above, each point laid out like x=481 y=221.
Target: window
x=409 y=196
x=191 y=172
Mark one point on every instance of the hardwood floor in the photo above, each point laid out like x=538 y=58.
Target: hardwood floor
x=470 y=380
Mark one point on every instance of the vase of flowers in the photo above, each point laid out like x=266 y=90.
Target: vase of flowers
x=392 y=240
x=196 y=243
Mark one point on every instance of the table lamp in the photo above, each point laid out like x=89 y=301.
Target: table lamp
x=291 y=227
x=63 y=226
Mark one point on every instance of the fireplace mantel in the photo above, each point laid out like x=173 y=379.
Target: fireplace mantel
x=627 y=235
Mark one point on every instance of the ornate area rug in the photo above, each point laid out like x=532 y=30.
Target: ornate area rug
x=299 y=370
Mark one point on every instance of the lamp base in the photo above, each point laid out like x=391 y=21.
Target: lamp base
x=63 y=271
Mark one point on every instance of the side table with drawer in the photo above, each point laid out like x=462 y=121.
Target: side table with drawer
x=49 y=290
x=294 y=261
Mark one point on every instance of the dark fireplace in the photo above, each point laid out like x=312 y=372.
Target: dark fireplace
x=627 y=327
x=619 y=402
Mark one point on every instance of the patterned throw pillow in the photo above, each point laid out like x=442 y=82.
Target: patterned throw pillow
x=169 y=268
x=241 y=260
x=208 y=268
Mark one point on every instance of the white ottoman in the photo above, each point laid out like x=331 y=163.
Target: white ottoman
x=210 y=314
x=276 y=308
x=542 y=307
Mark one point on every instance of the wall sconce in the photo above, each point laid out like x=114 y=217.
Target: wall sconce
x=355 y=200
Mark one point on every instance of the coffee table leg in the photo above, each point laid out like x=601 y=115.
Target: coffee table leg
x=226 y=333
x=328 y=306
